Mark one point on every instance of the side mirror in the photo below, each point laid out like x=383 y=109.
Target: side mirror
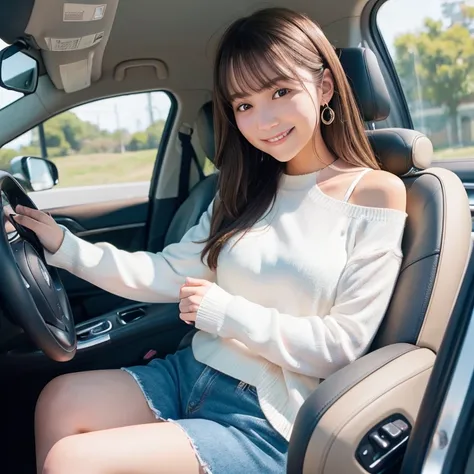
x=33 y=173
x=18 y=71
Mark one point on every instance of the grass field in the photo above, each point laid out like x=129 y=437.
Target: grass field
x=105 y=168
x=109 y=168
x=454 y=153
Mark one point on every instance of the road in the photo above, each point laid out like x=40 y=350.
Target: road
x=62 y=197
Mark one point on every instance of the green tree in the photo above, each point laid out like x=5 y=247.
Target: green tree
x=68 y=131
x=55 y=138
x=6 y=154
x=458 y=12
x=148 y=139
x=155 y=132
x=139 y=141
x=439 y=62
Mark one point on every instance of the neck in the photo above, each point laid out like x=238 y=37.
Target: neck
x=313 y=157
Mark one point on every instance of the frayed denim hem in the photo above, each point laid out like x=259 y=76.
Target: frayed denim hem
x=157 y=413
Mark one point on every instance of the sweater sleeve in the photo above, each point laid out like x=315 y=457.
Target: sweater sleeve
x=139 y=276
x=314 y=345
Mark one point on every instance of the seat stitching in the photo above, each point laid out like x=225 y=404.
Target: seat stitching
x=437 y=252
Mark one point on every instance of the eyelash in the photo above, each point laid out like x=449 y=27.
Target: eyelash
x=279 y=90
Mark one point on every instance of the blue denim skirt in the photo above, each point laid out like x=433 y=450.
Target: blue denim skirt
x=220 y=415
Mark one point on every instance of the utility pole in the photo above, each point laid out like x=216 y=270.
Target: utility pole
x=117 y=118
x=150 y=108
x=42 y=141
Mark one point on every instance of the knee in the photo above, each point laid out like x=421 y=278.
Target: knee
x=56 y=399
x=66 y=456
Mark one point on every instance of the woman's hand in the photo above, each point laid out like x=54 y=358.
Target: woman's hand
x=43 y=225
x=190 y=298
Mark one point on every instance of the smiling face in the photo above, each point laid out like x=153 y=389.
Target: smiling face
x=277 y=110
x=282 y=119
x=273 y=73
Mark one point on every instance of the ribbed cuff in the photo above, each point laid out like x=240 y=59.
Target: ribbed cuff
x=212 y=311
x=62 y=258
x=74 y=253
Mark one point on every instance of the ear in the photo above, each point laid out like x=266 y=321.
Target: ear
x=327 y=87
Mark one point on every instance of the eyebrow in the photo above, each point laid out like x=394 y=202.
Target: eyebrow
x=267 y=85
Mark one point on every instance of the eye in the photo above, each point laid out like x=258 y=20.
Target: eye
x=280 y=93
x=243 y=107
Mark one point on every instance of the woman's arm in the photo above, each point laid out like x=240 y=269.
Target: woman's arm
x=140 y=276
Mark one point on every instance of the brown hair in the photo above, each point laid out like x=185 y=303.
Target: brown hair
x=280 y=39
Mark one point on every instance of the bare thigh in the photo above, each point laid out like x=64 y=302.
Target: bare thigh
x=87 y=401
x=161 y=448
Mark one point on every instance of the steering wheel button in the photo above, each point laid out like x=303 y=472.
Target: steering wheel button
x=392 y=430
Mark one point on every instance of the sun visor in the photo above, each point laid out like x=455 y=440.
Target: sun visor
x=72 y=39
x=14 y=18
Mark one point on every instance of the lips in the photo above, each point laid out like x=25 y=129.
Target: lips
x=278 y=138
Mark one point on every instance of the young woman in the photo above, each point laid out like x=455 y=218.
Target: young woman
x=287 y=275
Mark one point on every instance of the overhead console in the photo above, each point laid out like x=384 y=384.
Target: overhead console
x=71 y=36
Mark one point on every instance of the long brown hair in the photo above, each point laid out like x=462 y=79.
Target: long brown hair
x=279 y=39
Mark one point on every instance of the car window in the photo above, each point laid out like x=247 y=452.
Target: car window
x=7 y=97
x=431 y=43
x=104 y=150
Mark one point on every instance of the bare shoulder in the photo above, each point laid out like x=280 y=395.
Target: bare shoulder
x=381 y=189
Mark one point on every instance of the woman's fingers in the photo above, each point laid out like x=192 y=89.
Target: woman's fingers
x=43 y=225
x=34 y=214
x=188 y=318
x=9 y=227
x=30 y=223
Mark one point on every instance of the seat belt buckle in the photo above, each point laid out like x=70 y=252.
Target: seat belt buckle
x=151 y=354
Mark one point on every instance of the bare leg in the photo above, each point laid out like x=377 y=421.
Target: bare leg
x=84 y=402
x=161 y=448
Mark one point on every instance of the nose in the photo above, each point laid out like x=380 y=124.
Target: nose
x=266 y=119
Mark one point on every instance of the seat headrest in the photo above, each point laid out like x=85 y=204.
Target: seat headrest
x=398 y=150
x=205 y=130
x=366 y=81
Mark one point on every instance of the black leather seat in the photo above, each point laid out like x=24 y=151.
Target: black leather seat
x=330 y=433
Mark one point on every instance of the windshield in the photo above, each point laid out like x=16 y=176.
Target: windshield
x=7 y=97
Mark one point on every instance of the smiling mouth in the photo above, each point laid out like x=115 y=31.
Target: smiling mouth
x=280 y=137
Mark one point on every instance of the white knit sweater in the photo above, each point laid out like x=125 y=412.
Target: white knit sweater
x=298 y=297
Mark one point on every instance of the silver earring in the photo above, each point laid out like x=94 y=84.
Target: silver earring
x=327 y=111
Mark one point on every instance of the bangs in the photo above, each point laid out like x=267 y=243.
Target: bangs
x=252 y=67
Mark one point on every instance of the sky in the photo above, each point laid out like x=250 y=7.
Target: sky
x=402 y=16
x=394 y=17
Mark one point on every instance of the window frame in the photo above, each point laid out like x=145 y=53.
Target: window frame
x=165 y=138
x=400 y=115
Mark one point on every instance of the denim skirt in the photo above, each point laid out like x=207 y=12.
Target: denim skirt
x=220 y=415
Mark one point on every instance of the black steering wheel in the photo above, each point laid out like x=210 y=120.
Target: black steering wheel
x=30 y=290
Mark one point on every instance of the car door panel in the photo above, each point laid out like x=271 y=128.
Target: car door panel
x=120 y=223
x=123 y=224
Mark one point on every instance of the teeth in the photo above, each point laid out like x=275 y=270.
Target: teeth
x=283 y=135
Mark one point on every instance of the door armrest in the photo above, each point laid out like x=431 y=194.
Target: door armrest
x=348 y=404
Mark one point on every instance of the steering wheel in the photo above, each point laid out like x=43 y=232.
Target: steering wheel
x=30 y=290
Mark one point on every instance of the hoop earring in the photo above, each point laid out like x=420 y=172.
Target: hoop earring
x=332 y=115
